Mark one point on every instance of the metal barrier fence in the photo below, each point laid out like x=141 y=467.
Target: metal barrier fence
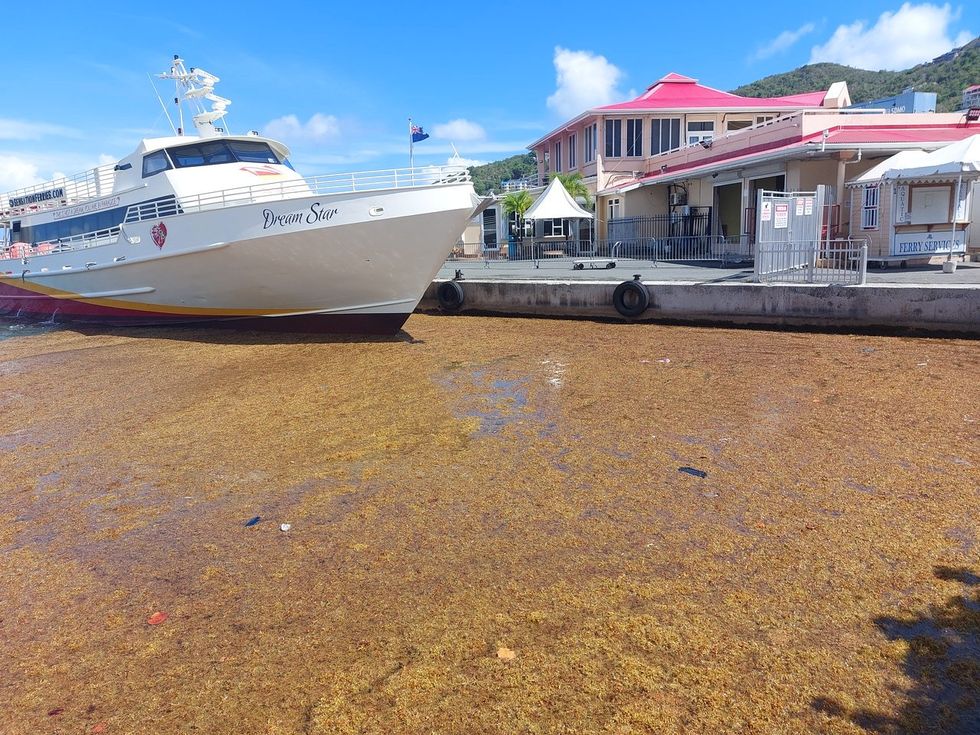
x=701 y=249
x=692 y=250
x=697 y=222
x=843 y=262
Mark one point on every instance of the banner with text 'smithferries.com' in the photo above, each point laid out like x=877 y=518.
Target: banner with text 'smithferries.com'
x=927 y=243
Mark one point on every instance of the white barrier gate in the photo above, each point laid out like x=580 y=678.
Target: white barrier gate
x=785 y=221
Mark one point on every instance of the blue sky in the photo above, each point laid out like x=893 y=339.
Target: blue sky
x=338 y=82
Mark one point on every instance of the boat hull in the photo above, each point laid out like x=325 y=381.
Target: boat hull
x=353 y=263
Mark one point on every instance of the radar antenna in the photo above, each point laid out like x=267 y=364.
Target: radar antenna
x=195 y=86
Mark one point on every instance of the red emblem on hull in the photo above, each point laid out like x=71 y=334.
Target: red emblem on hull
x=159 y=234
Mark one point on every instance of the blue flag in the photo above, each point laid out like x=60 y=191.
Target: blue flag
x=418 y=134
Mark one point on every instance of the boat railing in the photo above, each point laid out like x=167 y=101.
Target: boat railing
x=61 y=245
x=92 y=184
x=324 y=185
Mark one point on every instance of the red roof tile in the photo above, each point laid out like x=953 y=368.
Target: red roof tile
x=677 y=92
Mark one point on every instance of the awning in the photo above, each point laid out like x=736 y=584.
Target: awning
x=899 y=160
x=956 y=159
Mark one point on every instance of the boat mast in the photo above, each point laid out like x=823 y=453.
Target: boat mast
x=195 y=87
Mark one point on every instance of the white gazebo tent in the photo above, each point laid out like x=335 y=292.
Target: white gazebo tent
x=958 y=159
x=556 y=203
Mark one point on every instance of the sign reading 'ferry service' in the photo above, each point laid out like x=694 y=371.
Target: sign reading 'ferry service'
x=316 y=213
x=38 y=196
x=927 y=243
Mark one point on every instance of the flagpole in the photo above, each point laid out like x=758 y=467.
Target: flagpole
x=411 y=146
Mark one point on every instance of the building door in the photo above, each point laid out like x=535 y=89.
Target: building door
x=728 y=209
x=768 y=183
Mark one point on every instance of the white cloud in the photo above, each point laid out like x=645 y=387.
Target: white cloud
x=16 y=173
x=782 y=42
x=27 y=130
x=909 y=36
x=459 y=130
x=584 y=80
x=318 y=129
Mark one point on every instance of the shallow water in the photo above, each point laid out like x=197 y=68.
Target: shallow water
x=16 y=328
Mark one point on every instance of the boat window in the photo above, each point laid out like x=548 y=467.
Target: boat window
x=154 y=163
x=253 y=151
x=202 y=154
x=222 y=151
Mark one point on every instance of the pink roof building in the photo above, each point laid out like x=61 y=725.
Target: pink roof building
x=673 y=112
x=678 y=93
x=681 y=146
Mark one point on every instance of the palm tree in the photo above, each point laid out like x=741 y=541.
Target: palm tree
x=517 y=203
x=576 y=187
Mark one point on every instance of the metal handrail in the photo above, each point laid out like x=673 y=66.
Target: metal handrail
x=325 y=184
x=91 y=184
x=96 y=183
x=813 y=261
x=75 y=242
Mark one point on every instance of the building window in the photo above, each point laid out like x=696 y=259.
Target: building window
x=698 y=131
x=665 y=135
x=733 y=125
x=869 y=208
x=547 y=162
x=525 y=230
x=614 y=207
x=557 y=158
x=764 y=119
x=590 y=142
x=571 y=152
x=614 y=138
x=634 y=137
x=553 y=228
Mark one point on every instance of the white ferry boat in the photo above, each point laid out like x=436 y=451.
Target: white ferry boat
x=215 y=227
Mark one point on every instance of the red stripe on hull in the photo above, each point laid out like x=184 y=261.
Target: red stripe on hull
x=23 y=304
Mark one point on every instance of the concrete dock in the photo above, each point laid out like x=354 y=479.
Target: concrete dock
x=908 y=299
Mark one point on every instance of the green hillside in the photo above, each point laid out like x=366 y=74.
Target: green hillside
x=489 y=175
x=947 y=76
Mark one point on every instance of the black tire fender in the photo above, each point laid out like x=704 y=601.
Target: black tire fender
x=631 y=298
x=450 y=296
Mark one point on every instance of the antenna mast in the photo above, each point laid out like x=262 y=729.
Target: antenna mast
x=194 y=87
x=165 y=112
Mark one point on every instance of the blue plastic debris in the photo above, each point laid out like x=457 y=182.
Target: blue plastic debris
x=693 y=471
x=252 y=521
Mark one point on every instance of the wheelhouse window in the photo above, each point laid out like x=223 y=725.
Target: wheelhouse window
x=665 y=135
x=154 y=163
x=253 y=151
x=213 y=152
x=634 y=137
